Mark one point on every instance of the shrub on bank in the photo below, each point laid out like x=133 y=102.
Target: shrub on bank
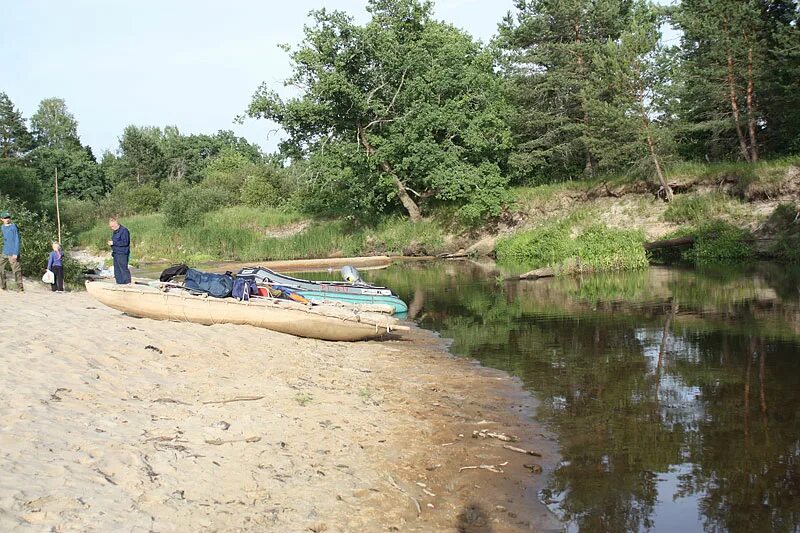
x=187 y=206
x=786 y=227
x=597 y=248
x=543 y=246
x=720 y=242
x=258 y=191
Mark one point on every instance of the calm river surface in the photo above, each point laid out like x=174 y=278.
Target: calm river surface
x=674 y=394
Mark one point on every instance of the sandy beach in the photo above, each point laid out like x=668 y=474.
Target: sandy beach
x=112 y=423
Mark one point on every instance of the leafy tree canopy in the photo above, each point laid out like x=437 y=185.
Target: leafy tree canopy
x=403 y=105
x=54 y=126
x=15 y=140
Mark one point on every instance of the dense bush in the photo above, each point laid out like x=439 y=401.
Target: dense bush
x=144 y=199
x=604 y=249
x=784 y=223
x=187 y=206
x=78 y=215
x=597 y=248
x=539 y=247
x=719 y=242
x=258 y=191
x=20 y=183
x=37 y=233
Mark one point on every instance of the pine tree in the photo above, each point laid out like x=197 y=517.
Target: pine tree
x=15 y=140
x=624 y=93
x=549 y=48
x=738 y=77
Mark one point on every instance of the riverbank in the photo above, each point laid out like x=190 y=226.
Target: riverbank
x=754 y=207
x=112 y=422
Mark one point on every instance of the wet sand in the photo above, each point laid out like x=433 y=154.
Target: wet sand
x=112 y=423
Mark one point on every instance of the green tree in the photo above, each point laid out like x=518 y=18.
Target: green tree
x=79 y=175
x=624 y=93
x=54 y=126
x=141 y=156
x=549 y=46
x=21 y=184
x=737 y=88
x=15 y=140
x=403 y=105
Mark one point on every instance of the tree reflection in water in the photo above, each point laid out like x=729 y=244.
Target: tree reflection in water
x=668 y=390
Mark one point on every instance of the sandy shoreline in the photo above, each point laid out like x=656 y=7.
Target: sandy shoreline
x=108 y=422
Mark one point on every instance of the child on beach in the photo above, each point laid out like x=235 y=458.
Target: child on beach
x=56 y=266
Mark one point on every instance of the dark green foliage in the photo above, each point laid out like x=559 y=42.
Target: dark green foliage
x=401 y=111
x=549 y=48
x=719 y=242
x=258 y=191
x=80 y=215
x=37 y=233
x=141 y=156
x=15 y=140
x=187 y=206
x=728 y=48
x=20 y=183
x=79 y=175
x=144 y=199
x=784 y=223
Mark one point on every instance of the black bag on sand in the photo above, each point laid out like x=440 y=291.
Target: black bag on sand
x=216 y=285
x=171 y=272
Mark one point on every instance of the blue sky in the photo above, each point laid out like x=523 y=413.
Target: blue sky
x=193 y=64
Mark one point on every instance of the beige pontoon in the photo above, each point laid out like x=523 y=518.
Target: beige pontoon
x=318 y=322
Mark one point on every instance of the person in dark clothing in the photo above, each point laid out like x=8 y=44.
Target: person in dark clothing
x=10 y=253
x=55 y=264
x=120 y=244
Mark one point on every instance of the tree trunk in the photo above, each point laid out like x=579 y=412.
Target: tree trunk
x=735 y=108
x=591 y=162
x=651 y=146
x=411 y=206
x=751 y=115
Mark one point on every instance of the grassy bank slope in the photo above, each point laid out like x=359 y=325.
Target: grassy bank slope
x=251 y=234
x=735 y=212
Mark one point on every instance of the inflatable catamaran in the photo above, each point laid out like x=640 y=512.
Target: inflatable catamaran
x=353 y=291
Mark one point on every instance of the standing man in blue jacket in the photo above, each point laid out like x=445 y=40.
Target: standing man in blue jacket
x=10 y=253
x=120 y=244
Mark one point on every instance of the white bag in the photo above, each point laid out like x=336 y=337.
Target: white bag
x=49 y=277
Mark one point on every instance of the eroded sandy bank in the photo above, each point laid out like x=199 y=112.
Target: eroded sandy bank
x=108 y=422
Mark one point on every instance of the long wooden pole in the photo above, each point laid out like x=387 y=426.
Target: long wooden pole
x=58 y=211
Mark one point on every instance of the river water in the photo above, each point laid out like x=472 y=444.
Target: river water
x=674 y=394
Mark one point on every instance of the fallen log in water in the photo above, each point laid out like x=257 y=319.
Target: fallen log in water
x=538 y=273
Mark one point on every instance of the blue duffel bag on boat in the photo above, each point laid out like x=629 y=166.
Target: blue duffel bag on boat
x=244 y=287
x=216 y=285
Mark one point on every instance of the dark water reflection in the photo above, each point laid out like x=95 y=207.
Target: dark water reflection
x=675 y=395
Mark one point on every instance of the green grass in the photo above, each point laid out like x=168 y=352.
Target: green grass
x=716 y=242
x=570 y=248
x=252 y=234
x=752 y=181
x=695 y=208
